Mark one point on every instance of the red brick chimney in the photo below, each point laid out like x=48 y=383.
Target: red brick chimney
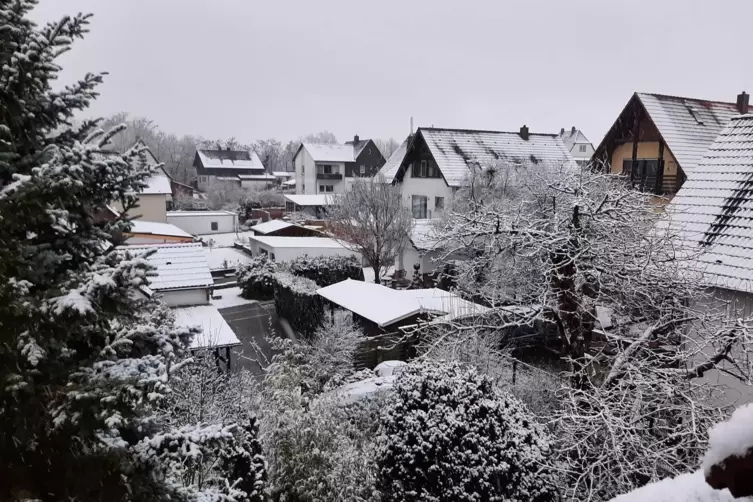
x=743 y=101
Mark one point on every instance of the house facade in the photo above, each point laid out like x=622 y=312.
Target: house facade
x=152 y=200
x=204 y=222
x=235 y=167
x=658 y=140
x=331 y=168
x=576 y=142
x=432 y=164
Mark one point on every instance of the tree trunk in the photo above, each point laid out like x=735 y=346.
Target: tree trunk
x=376 y=266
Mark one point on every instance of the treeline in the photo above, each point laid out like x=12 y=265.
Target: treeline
x=177 y=152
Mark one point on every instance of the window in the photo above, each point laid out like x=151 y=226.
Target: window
x=646 y=168
x=326 y=169
x=326 y=188
x=263 y=252
x=368 y=152
x=215 y=226
x=581 y=148
x=362 y=170
x=272 y=256
x=202 y=179
x=418 y=204
x=438 y=203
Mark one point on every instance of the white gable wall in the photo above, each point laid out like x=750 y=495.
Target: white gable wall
x=202 y=223
x=284 y=254
x=429 y=187
x=305 y=173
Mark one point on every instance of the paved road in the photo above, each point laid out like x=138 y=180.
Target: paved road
x=251 y=323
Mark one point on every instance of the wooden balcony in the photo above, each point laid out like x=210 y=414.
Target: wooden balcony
x=669 y=184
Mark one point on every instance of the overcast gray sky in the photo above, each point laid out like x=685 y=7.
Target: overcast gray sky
x=258 y=69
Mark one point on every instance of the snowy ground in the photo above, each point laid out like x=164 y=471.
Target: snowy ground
x=231 y=297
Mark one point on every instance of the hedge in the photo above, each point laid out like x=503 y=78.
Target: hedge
x=257 y=279
x=327 y=270
x=296 y=300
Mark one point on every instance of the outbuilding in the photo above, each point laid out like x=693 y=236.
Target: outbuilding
x=284 y=249
x=204 y=222
x=280 y=228
x=315 y=205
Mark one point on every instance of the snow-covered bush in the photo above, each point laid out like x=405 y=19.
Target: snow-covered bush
x=256 y=278
x=449 y=435
x=316 y=449
x=296 y=300
x=327 y=270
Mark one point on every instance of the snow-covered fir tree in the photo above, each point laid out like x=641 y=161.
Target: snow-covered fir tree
x=85 y=358
x=449 y=435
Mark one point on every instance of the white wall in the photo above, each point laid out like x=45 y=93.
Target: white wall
x=151 y=207
x=258 y=184
x=289 y=254
x=429 y=187
x=202 y=223
x=186 y=297
x=426 y=259
x=339 y=186
x=578 y=155
x=305 y=173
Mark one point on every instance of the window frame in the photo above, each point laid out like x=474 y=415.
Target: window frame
x=582 y=148
x=214 y=226
x=422 y=208
x=439 y=203
x=362 y=170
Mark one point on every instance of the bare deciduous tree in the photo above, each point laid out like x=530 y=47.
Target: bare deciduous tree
x=372 y=219
x=387 y=146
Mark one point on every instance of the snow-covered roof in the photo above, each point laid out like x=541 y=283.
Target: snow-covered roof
x=261 y=176
x=330 y=152
x=687 y=125
x=298 y=242
x=289 y=183
x=283 y=174
x=158 y=184
x=356 y=391
x=572 y=136
x=270 y=226
x=389 y=368
x=683 y=488
x=228 y=159
x=456 y=151
x=712 y=213
x=733 y=437
x=425 y=235
x=390 y=168
x=224 y=258
x=178 y=266
x=215 y=331
x=208 y=214
x=225 y=240
x=385 y=306
x=311 y=200
x=156 y=228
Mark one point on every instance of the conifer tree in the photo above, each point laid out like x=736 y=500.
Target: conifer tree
x=85 y=357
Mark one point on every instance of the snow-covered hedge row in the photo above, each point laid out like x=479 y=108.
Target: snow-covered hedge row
x=327 y=270
x=257 y=278
x=448 y=434
x=296 y=300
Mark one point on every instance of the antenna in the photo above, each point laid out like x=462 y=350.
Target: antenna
x=411 y=126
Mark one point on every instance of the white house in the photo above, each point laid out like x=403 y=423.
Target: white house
x=204 y=222
x=152 y=201
x=284 y=249
x=182 y=276
x=434 y=163
x=331 y=168
x=712 y=217
x=576 y=142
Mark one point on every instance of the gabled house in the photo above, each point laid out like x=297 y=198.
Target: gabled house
x=239 y=167
x=331 y=168
x=577 y=144
x=156 y=196
x=434 y=163
x=658 y=141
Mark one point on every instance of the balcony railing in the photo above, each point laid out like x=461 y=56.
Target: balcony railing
x=669 y=184
x=322 y=174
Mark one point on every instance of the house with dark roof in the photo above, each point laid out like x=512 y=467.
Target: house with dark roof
x=658 y=141
x=577 y=144
x=331 y=168
x=432 y=164
x=236 y=167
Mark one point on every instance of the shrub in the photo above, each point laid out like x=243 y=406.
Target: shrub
x=296 y=300
x=328 y=270
x=257 y=279
x=449 y=435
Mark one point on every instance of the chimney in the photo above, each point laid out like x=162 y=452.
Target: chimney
x=562 y=131
x=572 y=131
x=743 y=100
x=411 y=126
x=524 y=133
x=355 y=139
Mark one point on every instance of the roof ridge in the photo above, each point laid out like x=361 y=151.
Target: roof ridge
x=553 y=135
x=672 y=96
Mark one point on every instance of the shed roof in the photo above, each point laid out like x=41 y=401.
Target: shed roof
x=226 y=239
x=713 y=211
x=283 y=174
x=228 y=159
x=311 y=200
x=224 y=258
x=687 y=125
x=456 y=151
x=390 y=168
x=214 y=214
x=215 y=331
x=178 y=266
x=385 y=306
x=270 y=226
x=298 y=242
x=156 y=228
x=260 y=176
